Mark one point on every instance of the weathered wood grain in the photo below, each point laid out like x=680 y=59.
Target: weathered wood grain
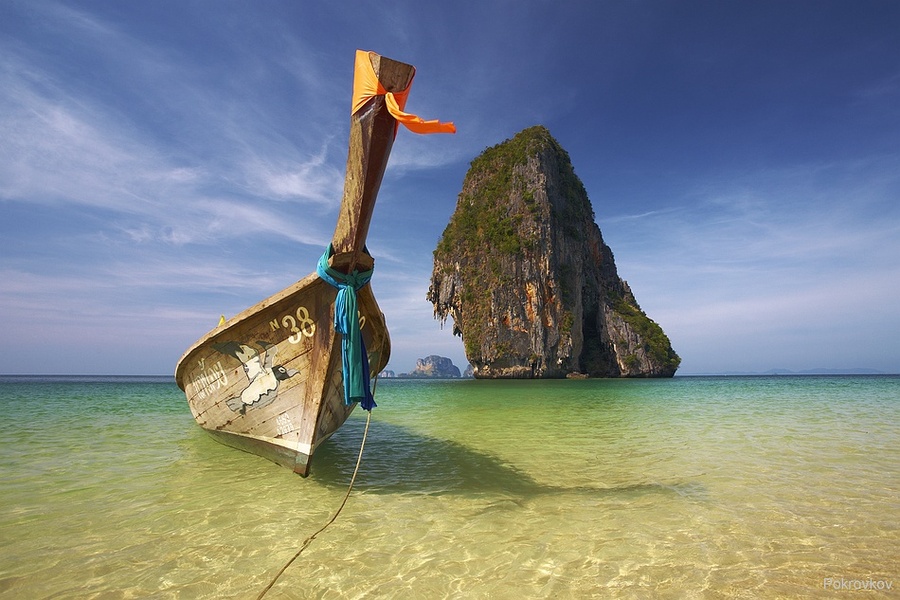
x=372 y=131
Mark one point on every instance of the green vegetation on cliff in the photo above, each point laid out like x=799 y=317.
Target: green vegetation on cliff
x=484 y=216
x=656 y=343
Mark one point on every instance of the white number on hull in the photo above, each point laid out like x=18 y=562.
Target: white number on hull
x=300 y=326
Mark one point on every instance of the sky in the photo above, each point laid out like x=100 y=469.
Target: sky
x=162 y=163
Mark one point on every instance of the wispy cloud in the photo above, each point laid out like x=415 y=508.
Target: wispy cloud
x=313 y=180
x=66 y=150
x=54 y=152
x=634 y=217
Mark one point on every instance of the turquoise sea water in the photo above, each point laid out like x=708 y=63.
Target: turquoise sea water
x=703 y=487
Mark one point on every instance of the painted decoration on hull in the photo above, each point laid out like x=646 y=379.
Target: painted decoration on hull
x=263 y=375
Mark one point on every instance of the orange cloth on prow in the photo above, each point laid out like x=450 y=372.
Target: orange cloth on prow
x=366 y=86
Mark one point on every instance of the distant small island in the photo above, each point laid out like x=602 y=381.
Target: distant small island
x=431 y=367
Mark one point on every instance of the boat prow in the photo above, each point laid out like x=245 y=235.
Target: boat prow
x=270 y=380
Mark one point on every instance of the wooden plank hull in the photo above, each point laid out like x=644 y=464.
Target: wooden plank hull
x=269 y=381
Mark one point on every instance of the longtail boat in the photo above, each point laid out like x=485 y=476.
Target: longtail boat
x=282 y=376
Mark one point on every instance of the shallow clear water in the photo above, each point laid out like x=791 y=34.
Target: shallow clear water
x=758 y=487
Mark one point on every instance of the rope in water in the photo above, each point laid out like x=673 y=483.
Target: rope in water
x=334 y=517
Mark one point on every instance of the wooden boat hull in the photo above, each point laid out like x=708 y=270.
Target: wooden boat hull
x=269 y=381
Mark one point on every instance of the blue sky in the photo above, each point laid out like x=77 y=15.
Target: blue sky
x=162 y=163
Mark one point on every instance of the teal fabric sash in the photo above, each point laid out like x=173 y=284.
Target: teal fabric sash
x=346 y=322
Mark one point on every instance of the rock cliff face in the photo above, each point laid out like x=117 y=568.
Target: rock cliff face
x=532 y=288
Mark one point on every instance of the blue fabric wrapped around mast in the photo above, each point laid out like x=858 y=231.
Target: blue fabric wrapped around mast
x=346 y=322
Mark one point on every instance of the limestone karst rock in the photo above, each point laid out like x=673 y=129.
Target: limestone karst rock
x=434 y=366
x=531 y=286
